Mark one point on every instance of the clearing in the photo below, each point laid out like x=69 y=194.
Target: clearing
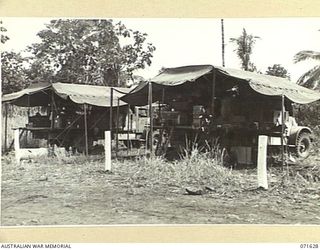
x=77 y=191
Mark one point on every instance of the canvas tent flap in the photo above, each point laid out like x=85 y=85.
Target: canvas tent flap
x=260 y=83
x=32 y=89
x=273 y=86
x=170 y=77
x=89 y=94
x=139 y=95
x=35 y=94
x=176 y=76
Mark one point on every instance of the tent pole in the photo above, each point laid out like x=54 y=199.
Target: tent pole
x=52 y=110
x=162 y=98
x=6 y=127
x=213 y=90
x=150 y=117
x=117 y=129
x=159 y=109
x=131 y=118
x=86 y=128
x=282 y=130
x=28 y=106
x=162 y=102
x=111 y=107
x=128 y=124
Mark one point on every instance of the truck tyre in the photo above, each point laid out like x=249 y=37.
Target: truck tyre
x=303 y=145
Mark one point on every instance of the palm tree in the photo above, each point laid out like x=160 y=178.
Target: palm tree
x=245 y=43
x=311 y=78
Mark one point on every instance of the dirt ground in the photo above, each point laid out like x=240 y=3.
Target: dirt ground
x=69 y=193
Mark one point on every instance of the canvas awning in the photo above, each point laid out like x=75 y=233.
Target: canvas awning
x=176 y=76
x=263 y=84
x=77 y=93
x=273 y=86
x=32 y=89
x=90 y=94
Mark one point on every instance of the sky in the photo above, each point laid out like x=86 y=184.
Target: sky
x=193 y=41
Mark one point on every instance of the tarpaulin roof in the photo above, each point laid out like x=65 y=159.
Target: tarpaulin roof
x=263 y=84
x=34 y=88
x=89 y=94
x=77 y=93
x=273 y=86
x=176 y=76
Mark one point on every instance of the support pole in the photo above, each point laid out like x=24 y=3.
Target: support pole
x=128 y=124
x=262 y=161
x=150 y=117
x=213 y=92
x=52 y=110
x=117 y=129
x=107 y=150
x=17 y=144
x=162 y=102
x=86 y=128
x=6 y=128
x=131 y=120
x=111 y=107
x=282 y=131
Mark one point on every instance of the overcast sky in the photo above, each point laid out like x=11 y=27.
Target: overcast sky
x=182 y=42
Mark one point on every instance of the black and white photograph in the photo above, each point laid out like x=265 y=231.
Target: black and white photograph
x=160 y=121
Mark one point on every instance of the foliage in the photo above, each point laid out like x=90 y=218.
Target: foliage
x=308 y=114
x=245 y=43
x=13 y=72
x=95 y=52
x=278 y=70
x=4 y=37
x=311 y=78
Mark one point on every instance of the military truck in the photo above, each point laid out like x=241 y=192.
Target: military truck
x=206 y=104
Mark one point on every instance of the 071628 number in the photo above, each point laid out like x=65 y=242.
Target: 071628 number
x=313 y=246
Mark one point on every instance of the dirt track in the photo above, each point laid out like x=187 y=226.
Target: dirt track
x=82 y=194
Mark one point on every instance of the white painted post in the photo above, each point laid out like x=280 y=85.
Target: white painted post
x=107 y=150
x=17 y=144
x=262 y=161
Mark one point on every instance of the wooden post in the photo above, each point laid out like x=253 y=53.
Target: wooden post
x=6 y=128
x=117 y=129
x=150 y=117
x=111 y=107
x=128 y=124
x=282 y=131
x=17 y=144
x=262 y=161
x=86 y=128
x=52 y=109
x=213 y=93
x=107 y=150
x=131 y=120
x=162 y=102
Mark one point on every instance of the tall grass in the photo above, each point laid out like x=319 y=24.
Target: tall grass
x=198 y=167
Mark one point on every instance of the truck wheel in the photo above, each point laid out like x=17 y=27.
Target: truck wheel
x=303 y=145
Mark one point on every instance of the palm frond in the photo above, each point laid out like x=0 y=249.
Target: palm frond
x=311 y=78
x=306 y=54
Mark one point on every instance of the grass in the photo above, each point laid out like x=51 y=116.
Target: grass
x=197 y=167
